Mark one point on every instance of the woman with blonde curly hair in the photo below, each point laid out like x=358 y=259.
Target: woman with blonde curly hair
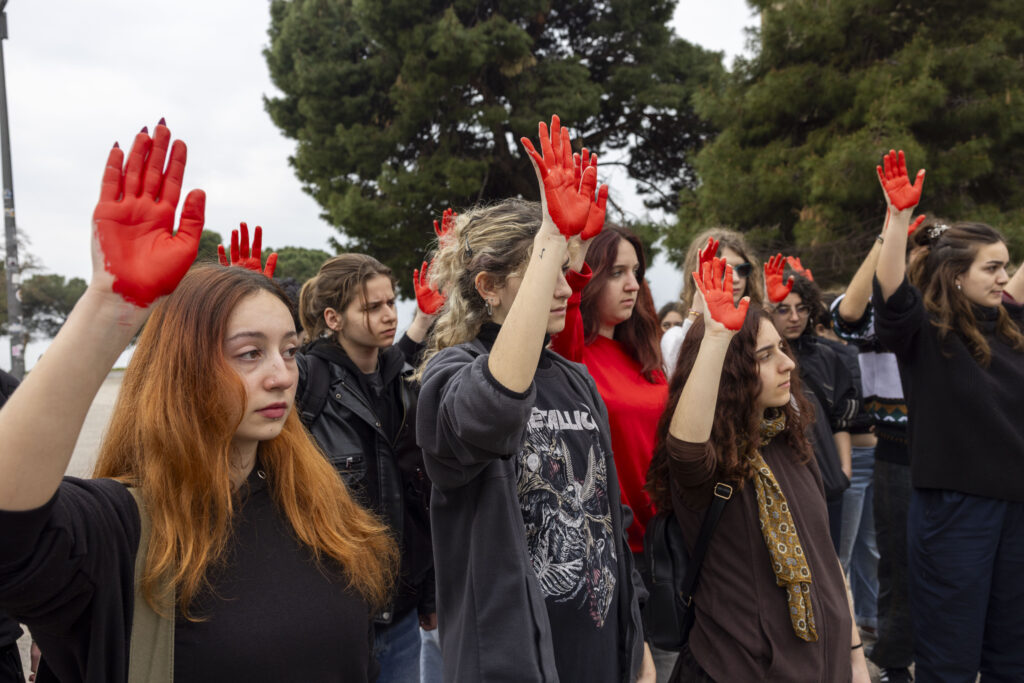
x=534 y=575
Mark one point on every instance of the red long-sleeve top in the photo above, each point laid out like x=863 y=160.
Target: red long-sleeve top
x=634 y=404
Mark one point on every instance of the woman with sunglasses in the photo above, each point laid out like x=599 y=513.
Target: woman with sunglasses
x=732 y=248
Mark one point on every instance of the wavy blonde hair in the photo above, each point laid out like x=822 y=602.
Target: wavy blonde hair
x=170 y=436
x=496 y=239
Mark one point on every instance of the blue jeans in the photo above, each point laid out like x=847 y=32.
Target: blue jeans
x=397 y=649
x=857 y=550
x=431 y=670
x=966 y=560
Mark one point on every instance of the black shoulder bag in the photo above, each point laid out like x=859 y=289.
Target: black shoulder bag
x=668 y=614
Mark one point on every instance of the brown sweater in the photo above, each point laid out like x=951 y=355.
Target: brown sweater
x=742 y=630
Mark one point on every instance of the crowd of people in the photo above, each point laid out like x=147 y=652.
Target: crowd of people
x=286 y=493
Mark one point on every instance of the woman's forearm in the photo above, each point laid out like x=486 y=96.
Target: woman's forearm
x=39 y=424
x=694 y=414
x=516 y=352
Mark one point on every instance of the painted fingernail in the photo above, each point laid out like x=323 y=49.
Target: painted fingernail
x=162 y=122
x=116 y=146
x=145 y=129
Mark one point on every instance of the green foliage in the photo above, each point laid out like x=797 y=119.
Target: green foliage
x=831 y=87
x=402 y=109
x=299 y=263
x=46 y=302
x=208 y=243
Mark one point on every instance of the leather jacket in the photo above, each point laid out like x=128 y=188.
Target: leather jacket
x=385 y=472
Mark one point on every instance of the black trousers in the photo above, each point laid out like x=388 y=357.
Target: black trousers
x=10 y=665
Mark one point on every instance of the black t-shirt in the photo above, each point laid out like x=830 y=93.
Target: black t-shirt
x=9 y=629
x=563 y=496
x=260 y=627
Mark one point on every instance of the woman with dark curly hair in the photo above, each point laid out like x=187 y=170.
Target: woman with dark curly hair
x=772 y=602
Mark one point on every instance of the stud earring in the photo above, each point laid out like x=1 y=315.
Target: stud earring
x=958 y=287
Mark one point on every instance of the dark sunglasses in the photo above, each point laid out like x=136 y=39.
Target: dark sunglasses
x=743 y=269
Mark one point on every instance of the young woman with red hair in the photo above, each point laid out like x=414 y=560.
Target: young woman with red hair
x=771 y=603
x=257 y=565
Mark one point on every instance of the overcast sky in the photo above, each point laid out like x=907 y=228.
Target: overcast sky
x=81 y=75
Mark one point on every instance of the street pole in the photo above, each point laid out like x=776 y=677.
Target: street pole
x=15 y=324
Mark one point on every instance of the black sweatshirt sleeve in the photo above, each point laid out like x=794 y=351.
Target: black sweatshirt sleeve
x=898 y=319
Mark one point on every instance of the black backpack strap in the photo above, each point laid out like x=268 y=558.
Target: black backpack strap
x=314 y=394
x=723 y=492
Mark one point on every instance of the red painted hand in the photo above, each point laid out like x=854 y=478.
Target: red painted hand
x=706 y=254
x=899 y=191
x=427 y=298
x=773 y=270
x=566 y=200
x=715 y=285
x=797 y=267
x=134 y=242
x=447 y=221
x=916 y=224
x=242 y=257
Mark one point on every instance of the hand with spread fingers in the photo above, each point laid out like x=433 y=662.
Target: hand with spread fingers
x=565 y=200
x=136 y=252
x=797 y=267
x=243 y=257
x=900 y=193
x=715 y=285
x=447 y=221
x=428 y=299
x=773 y=272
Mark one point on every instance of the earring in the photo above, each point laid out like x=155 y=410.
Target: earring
x=958 y=287
x=487 y=307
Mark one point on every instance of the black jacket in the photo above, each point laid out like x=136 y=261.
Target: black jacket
x=825 y=373
x=376 y=454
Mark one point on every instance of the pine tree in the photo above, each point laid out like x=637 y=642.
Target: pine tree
x=401 y=109
x=830 y=88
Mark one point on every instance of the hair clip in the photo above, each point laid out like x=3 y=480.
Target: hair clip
x=936 y=230
x=469 y=251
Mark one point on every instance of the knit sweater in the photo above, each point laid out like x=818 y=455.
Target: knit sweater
x=634 y=404
x=965 y=427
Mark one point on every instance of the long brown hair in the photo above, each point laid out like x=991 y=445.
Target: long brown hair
x=640 y=334
x=948 y=252
x=170 y=435
x=736 y=417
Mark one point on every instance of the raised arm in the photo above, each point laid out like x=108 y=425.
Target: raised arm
x=694 y=414
x=244 y=257
x=565 y=208
x=901 y=197
x=136 y=259
x=858 y=292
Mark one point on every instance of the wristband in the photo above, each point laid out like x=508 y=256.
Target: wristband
x=693 y=315
x=858 y=646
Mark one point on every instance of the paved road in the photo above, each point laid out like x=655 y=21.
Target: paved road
x=87 y=447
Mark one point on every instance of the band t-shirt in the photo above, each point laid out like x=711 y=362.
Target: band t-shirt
x=563 y=495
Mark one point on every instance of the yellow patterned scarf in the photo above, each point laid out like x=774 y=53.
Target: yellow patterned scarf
x=780 y=537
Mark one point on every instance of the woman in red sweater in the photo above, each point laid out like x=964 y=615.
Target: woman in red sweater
x=612 y=327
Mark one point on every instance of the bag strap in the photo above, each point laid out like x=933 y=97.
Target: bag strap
x=722 y=494
x=151 y=652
